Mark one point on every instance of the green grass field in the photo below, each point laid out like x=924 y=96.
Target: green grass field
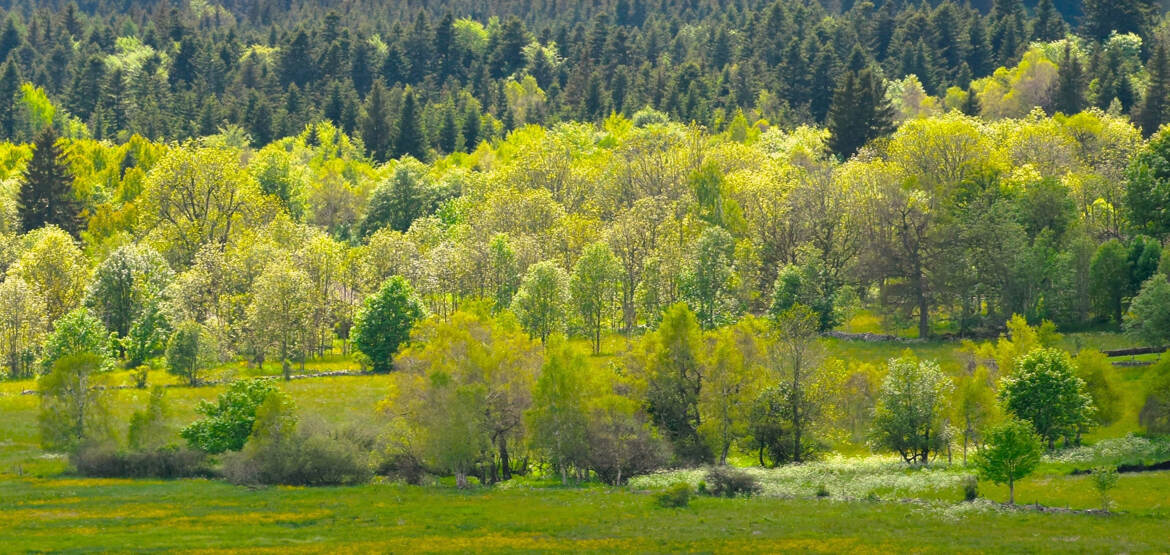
x=875 y=504
x=74 y=514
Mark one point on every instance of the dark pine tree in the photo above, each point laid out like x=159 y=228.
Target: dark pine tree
x=860 y=112
x=375 y=124
x=9 y=87
x=9 y=38
x=471 y=129
x=507 y=54
x=296 y=62
x=1049 y=24
x=1069 y=96
x=1103 y=17
x=46 y=190
x=360 y=71
x=1152 y=112
x=448 y=131
x=979 y=53
x=410 y=140
x=86 y=89
x=971 y=105
x=258 y=117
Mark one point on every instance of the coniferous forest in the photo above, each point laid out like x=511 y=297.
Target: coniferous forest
x=616 y=275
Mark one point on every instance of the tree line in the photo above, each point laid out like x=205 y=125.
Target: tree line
x=443 y=77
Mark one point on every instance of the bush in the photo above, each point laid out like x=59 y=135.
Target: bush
x=280 y=451
x=822 y=490
x=402 y=466
x=228 y=421
x=306 y=460
x=1104 y=479
x=970 y=488
x=726 y=481
x=104 y=461
x=675 y=497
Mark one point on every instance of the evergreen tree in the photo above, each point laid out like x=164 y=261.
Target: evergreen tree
x=86 y=88
x=507 y=52
x=410 y=140
x=971 y=105
x=375 y=125
x=9 y=38
x=979 y=54
x=1152 y=112
x=360 y=71
x=46 y=191
x=860 y=112
x=296 y=61
x=449 y=131
x=471 y=129
x=1069 y=96
x=259 y=119
x=1104 y=17
x=9 y=88
x=1049 y=24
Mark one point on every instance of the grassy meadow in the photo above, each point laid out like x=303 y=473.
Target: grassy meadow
x=874 y=502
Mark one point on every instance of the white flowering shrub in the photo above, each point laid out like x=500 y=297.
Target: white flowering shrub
x=844 y=477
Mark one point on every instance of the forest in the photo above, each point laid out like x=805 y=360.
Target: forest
x=681 y=250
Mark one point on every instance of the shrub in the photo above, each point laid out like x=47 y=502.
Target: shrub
x=402 y=466
x=148 y=428
x=1104 y=479
x=140 y=376
x=970 y=488
x=227 y=422
x=104 y=461
x=822 y=490
x=726 y=481
x=675 y=497
x=280 y=451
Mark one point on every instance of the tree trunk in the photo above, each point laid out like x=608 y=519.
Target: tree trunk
x=923 y=310
x=1011 y=492
x=505 y=462
x=461 y=479
x=285 y=367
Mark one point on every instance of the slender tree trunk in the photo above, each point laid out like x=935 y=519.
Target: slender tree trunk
x=284 y=365
x=1011 y=491
x=923 y=309
x=505 y=460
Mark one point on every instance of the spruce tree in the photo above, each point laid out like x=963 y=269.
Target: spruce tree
x=9 y=88
x=9 y=38
x=46 y=190
x=1152 y=112
x=1103 y=17
x=410 y=136
x=375 y=124
x=259 y=119
x=860 y=112
x=471 y=129
x=360 y=70
x=296 y=62
x=1069 y=96
x=979 y=54
x=1049 y=24
x=449 y=132
x=971 y=106
x=845 y=133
